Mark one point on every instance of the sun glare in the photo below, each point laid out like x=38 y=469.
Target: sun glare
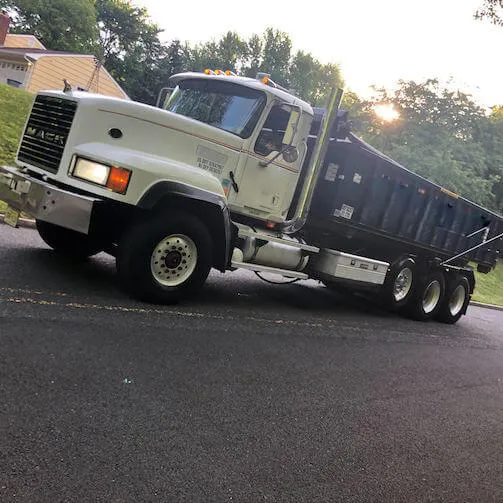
x=386 y=112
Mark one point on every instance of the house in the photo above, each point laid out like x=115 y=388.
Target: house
x=26 y=63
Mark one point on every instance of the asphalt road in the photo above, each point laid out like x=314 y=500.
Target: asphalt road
x=251 y=393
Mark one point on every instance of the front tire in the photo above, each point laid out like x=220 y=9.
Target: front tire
x=66 y=242
x=166 y=259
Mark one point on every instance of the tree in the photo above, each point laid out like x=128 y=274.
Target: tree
x=329 y=76
x=231 y=51
x=129 y=47
x=228 y=53
x=304 y=75
x=175 y=60
x=491 y=10
x=254 y=56
x=440 y=134
x=492 y=143
x=63 y=25
x=276 y=55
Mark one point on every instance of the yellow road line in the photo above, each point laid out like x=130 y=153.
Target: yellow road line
x=139 y=310
x=33 y=292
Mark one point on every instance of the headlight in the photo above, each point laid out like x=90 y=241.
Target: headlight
x=111 y=177
x=91 y=171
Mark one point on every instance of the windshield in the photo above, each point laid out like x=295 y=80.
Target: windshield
x=225 y=105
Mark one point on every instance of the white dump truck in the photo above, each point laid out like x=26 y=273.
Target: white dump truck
x=237 y=173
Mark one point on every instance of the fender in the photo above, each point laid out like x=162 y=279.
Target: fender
x=211 y=208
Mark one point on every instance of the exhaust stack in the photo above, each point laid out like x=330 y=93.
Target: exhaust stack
x=320 y=149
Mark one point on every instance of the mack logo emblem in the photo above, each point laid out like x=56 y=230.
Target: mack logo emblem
x=48 y=136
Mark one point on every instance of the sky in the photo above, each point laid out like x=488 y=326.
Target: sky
x=375 y=42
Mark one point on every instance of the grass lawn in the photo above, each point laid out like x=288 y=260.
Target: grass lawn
x=489 y=287
x=14 y=107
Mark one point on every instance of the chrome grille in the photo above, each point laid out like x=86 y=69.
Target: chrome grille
x=46 y=132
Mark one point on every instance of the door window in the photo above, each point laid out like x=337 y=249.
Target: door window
x=271 y=136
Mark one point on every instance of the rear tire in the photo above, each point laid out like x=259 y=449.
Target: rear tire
x=399 y=284
x=166 y=259
x=427 y=298
x=66 y=242
x=456 y=299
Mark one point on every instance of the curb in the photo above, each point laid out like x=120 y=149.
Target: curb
x=23 y=222
x=487 y=306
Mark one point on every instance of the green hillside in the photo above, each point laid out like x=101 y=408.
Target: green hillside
x=14 y=107
x=489 y=287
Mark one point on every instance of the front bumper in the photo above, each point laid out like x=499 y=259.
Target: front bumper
x=46 y=202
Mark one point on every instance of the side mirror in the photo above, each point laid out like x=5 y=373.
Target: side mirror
x=292 y=126
x=290 y=154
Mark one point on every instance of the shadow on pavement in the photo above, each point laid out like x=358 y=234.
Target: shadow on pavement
x=40 y=269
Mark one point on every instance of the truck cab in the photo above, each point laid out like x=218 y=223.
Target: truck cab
x=259 y=144
x=222 y=152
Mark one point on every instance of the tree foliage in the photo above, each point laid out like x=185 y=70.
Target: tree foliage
x=65 y=25
x=129 y=46
x=444 y=136
x=269 y=53
x=491 y=10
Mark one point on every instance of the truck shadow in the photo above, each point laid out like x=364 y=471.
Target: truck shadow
x=40 y=269
x=239 y=294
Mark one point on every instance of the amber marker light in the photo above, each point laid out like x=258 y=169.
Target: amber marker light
x=118 y=179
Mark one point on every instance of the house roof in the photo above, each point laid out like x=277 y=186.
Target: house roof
x=13 y=40
x=45 y=57
x=22 y=52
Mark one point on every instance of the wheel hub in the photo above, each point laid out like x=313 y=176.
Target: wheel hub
x=431 y=296
x=402 y=285
x=457 y=300
x=173 y=260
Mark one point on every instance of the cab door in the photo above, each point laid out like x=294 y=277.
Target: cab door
x=268 y=178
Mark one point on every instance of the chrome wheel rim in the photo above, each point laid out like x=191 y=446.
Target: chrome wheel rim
x=173 y=260
x=431 y=296
x=457 y=300
x=402 y=284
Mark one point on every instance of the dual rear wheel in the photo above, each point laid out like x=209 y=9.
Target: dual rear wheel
x=439 y=295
